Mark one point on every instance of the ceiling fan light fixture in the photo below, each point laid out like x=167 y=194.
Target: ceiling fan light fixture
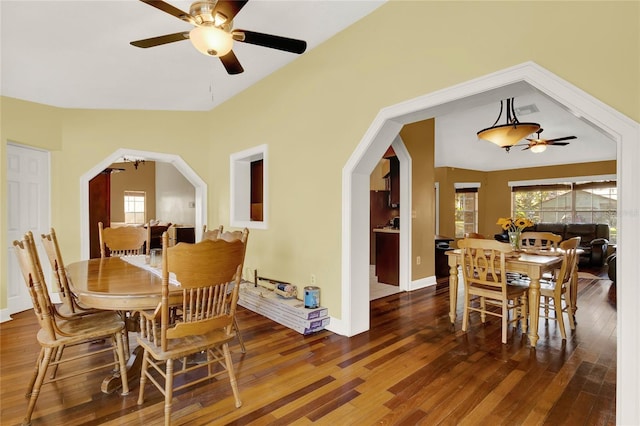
x=508 y=134
x=538 y=148
x=210 y=40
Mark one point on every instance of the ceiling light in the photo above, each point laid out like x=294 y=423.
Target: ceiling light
x=538 y=148
x=508 y=134
x=211 y=40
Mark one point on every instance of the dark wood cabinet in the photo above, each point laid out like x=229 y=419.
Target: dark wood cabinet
x=388 y=257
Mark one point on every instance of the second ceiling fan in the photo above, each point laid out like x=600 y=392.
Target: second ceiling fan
x=539 y=145
x=213 y=34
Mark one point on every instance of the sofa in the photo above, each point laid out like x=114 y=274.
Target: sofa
x=594 y=238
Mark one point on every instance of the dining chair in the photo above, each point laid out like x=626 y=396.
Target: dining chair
x=556 y=291
x=230 y=236
x=123 y=240
x=485 y=281
x=205 y=271
x=70 y=306
x=56 y=334
x=539 y=240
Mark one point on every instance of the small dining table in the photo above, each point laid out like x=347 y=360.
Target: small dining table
x=533 y=264
x=112 y=283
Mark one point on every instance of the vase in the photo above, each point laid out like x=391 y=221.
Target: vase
x=514 y=240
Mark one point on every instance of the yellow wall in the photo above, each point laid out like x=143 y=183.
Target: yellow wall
x=419 y=140
x=314 y=112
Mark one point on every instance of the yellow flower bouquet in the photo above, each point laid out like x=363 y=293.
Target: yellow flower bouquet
x=514 y=227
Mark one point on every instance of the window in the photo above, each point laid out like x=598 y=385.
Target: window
x=466 y=210
x=574 y=202
x=134 y=207
x=249 y=200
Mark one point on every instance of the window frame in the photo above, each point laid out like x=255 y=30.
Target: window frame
x=135 y=194
x=466 y=188
x=240 y=187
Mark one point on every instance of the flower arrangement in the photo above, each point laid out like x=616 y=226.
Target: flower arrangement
x=514 y=227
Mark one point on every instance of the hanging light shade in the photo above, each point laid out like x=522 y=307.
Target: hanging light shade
x=508 y=134
x=211 y=40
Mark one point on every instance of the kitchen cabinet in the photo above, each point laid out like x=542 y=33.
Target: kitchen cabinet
x=388 y=255
x=181 y=234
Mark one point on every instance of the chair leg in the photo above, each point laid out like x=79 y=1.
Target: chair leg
x=34 y=376
x=557 y=304
x=483 y=306
x=465 y=317
x=524 y=309
x=56 y=356
x=239 y=335
x=42 y=371
x=168 y=392
x=143 y=376
x=505 y=320
x=232 y=376
x=572 y=322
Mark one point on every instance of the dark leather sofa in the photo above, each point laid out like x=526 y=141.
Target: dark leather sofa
x=594 y=238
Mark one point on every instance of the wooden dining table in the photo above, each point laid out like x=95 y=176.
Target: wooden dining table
x=533 y=264
x=112 y=283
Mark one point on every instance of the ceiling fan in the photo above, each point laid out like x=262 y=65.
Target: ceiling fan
x=213 y=33
x=538 y=145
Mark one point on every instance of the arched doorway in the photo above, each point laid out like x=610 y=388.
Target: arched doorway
x=386 y=127
x=177 y=161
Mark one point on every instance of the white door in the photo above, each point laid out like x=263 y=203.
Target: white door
x=28 y=209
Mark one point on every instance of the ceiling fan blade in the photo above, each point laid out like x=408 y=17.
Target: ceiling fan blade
x=231 y=63
x=526 y=148
x=566 y=138
x=171 y=10
x=230 y=8
x=558 y=143
x=268 y=40
x=160 y=40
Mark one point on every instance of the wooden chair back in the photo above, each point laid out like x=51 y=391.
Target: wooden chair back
x=206 y=271
x=569 y=261
x=29 y=263
x=51 y=247
x=483 y=262
x=211 y=234
x=474 y=235
x=540 y=240
x=123 y=241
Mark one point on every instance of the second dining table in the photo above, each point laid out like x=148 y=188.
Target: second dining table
x=533 y=264
x=113 y=283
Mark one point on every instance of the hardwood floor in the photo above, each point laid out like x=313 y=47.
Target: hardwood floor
x=409 y=369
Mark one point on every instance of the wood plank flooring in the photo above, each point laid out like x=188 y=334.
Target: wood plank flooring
x=411 y=368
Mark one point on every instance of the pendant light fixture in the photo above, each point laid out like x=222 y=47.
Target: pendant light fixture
x=508 y=134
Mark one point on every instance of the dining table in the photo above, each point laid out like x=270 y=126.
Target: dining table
x=125 y=284
x=534 y=263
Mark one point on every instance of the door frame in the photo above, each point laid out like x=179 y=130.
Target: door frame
x=386 y=126
x=45 y=209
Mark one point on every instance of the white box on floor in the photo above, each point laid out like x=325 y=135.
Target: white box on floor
x=288 y=312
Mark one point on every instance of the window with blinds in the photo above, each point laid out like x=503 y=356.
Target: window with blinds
x=575 y=202
x=466 y=211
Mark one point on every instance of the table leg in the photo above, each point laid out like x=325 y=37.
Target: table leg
x=112 y=383
x=534 y=309
x=453 y=288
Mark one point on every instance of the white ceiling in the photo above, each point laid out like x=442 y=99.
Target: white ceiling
x=76 y=54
